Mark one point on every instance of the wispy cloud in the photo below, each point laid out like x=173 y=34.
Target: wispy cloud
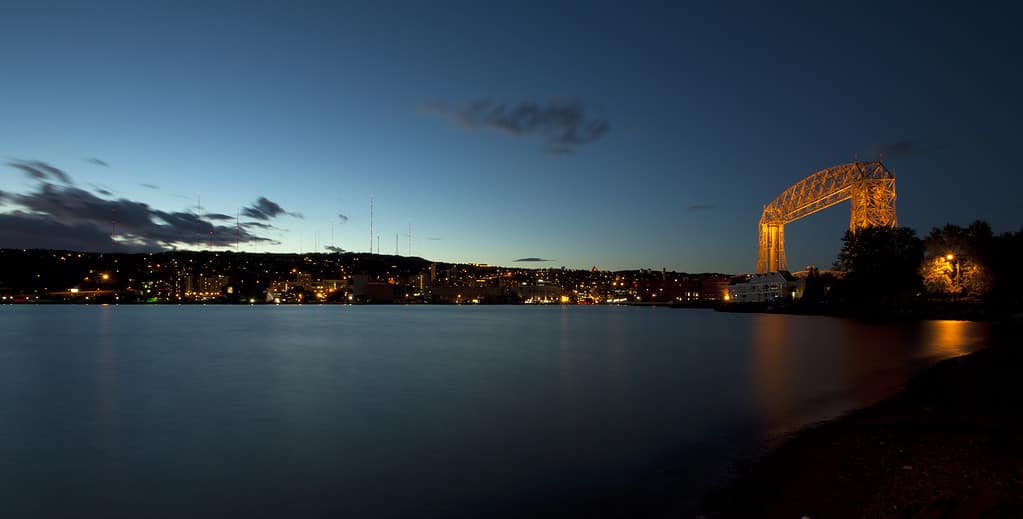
x=218 y=216
x=98 y=162
x=902 y=148
x=266 y=209
x=258 y=225
x=150 y=186
x=40 y=170
x=531 y=259
x=563 y=123
x=332 y=248
x=343 y=217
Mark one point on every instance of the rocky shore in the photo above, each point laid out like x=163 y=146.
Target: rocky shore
x=949 y=446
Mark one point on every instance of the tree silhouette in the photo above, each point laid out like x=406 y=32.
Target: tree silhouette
x=882 y=264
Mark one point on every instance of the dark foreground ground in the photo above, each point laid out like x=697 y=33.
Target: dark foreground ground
x=949 y=446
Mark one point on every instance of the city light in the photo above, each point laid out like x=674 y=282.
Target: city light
x=182 y=277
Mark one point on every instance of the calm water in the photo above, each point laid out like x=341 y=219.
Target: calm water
x=162 y=411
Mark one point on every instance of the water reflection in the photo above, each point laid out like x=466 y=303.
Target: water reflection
x=617 y=359
x=770 y=373
x=806 y=369
x=570 y=384
x=106 y=369
x=385 y=412
x=953 y=338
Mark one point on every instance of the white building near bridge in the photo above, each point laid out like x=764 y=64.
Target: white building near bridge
x=767 y=287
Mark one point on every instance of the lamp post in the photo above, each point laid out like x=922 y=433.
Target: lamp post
x=951 y=258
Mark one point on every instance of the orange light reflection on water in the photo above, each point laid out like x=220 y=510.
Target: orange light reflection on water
x=952 y=338
x=806 y=369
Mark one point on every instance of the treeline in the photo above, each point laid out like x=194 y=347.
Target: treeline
x=893 y=266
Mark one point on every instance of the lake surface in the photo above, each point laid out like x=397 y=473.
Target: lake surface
x=413 y=411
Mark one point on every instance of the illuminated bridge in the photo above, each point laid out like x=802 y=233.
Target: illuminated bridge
x=869 y=185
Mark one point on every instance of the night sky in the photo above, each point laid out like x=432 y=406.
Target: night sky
x=645 y=135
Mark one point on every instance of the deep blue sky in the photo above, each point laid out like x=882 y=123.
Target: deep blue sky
x=710 y=112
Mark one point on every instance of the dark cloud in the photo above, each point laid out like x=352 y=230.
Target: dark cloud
x=531 y=260
x=902 y=148
x=563 y=123
x=150 y=186
x=66 y=210
x=258 y=225
x=701 y=207
x=40 y=170
x=30 y=231
x=98 y=162
x=337 y=250
x=342 y=217
x=265 y=209
x=101 y=190
x=218 y=216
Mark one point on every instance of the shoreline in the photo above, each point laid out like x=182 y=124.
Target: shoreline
x=949 y=445
x=915 y=311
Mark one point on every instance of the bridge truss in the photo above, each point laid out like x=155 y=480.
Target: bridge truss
x=869 y=185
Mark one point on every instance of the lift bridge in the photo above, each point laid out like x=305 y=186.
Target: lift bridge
x=869 y=185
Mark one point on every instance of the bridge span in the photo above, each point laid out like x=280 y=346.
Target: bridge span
x=869 y=185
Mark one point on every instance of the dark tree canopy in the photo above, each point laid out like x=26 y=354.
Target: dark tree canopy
x=881 y=263
x=973 y=241
x=1004 y=259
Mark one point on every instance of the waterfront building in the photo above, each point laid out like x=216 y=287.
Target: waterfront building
x=766 y=287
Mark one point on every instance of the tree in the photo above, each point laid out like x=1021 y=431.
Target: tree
x=1006 y=274
x=881 y=263
x=958 y=260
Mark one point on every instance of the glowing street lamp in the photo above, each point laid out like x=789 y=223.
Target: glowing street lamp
x=955 y=273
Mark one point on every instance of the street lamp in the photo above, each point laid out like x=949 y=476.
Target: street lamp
x=951 y=258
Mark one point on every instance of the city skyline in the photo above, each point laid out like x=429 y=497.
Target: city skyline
x=568 y=136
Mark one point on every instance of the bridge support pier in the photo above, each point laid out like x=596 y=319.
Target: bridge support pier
x=771 y=257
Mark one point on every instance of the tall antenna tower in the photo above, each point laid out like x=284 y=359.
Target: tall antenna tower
x=371 y=225
x=198 y=219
